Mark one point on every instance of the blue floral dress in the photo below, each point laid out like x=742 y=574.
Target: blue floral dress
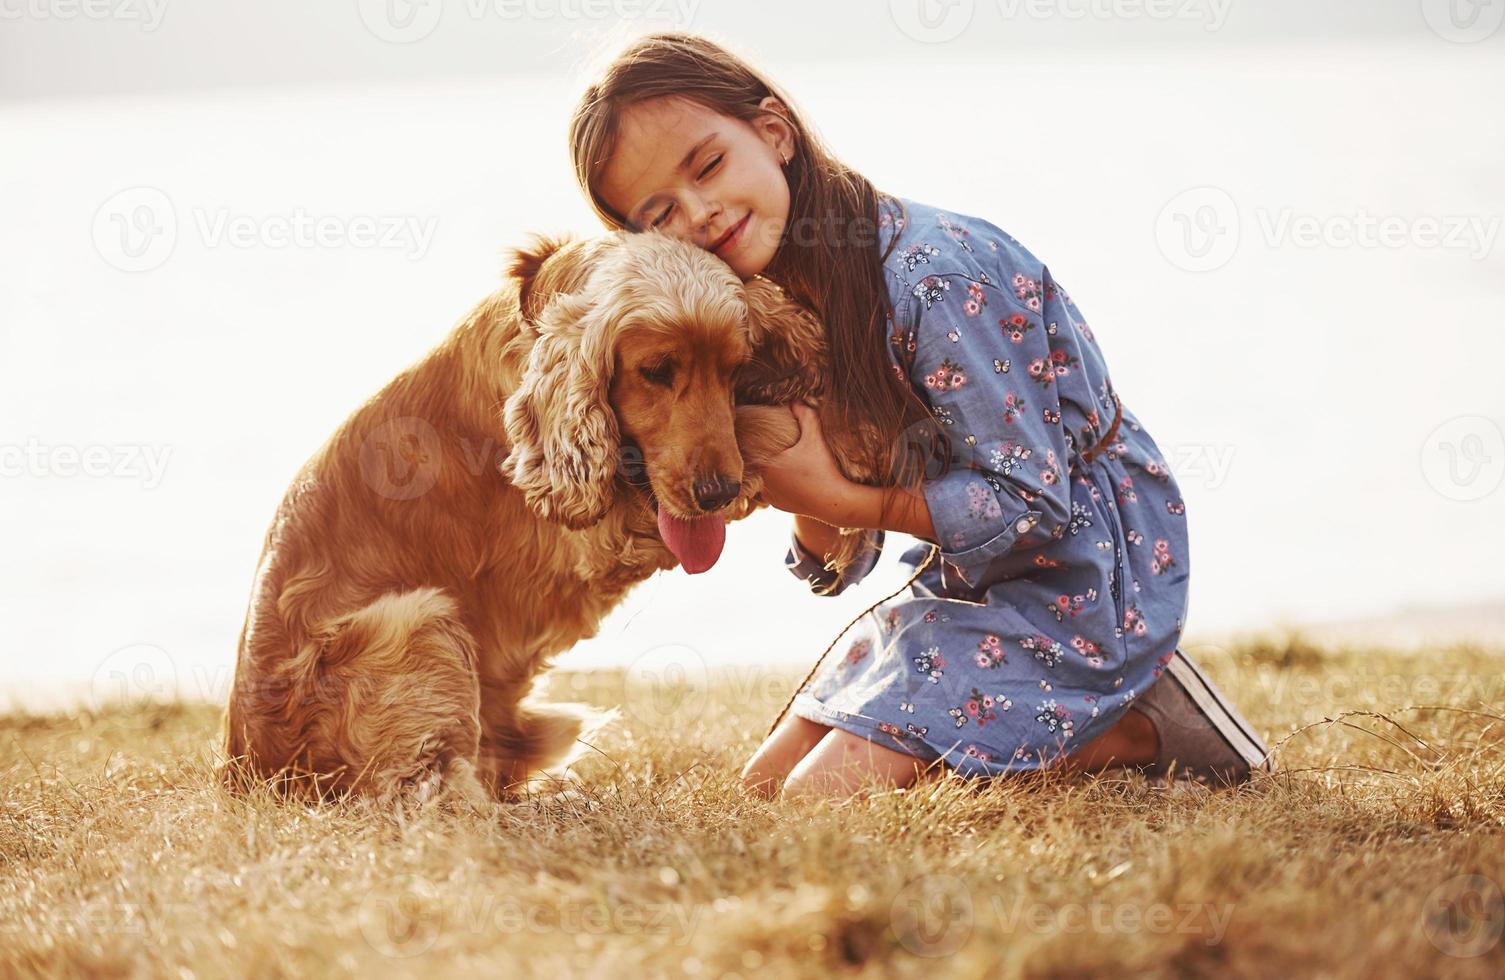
x=1061 y=586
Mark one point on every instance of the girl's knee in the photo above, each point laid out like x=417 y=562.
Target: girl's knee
x=771 y=764
x=844 y=765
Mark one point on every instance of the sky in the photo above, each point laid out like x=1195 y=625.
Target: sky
x=62 y=48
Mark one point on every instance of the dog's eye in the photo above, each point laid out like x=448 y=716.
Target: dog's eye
x=660 y=374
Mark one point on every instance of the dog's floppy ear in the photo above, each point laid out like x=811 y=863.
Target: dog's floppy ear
x=789 y=348
x=562 y=430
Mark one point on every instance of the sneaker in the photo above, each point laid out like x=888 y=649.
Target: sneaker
x=1202 y=736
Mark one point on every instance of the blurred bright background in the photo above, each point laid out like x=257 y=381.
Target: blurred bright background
x=1282 y=219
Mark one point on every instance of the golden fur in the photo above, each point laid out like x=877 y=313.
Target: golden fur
x=478 y=516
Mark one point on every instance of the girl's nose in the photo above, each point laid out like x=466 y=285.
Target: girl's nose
x=701 y=216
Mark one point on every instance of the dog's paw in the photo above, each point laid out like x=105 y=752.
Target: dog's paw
x=763 y=432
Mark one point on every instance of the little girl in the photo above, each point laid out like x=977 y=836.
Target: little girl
x=1055 y=592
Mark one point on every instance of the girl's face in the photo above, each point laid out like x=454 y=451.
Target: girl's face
x=709 y=179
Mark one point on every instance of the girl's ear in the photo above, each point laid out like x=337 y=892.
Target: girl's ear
x=788 y=361
x=562 y=430
x=775 y=127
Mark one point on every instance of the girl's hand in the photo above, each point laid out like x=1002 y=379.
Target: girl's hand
x=804 y=479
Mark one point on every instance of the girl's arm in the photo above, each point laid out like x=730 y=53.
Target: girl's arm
x=810 y=545
x=994 y=380
x=805 y=480
x=872 y=507
x=816 y=537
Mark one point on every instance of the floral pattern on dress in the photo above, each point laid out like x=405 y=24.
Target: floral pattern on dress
x=1062 y=584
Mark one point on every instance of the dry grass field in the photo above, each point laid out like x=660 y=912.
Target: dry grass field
x=1379 y=850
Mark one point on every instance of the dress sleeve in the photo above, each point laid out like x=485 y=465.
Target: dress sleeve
x=807 y=565
x=984 y=359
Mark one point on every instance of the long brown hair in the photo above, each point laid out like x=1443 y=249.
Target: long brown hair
x=829 y=260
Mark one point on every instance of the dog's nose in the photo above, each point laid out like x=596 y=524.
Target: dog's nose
x=716 y=493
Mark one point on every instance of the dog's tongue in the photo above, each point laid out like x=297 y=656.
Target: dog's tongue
x=696 y=543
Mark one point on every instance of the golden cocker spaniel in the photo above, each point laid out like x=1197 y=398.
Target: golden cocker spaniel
x=596 y=419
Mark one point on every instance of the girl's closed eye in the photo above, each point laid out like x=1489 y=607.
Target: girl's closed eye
x=711 y=166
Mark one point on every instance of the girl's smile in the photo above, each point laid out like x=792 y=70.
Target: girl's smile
x=728 y=242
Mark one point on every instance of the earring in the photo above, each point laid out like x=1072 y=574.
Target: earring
x=785 y=157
